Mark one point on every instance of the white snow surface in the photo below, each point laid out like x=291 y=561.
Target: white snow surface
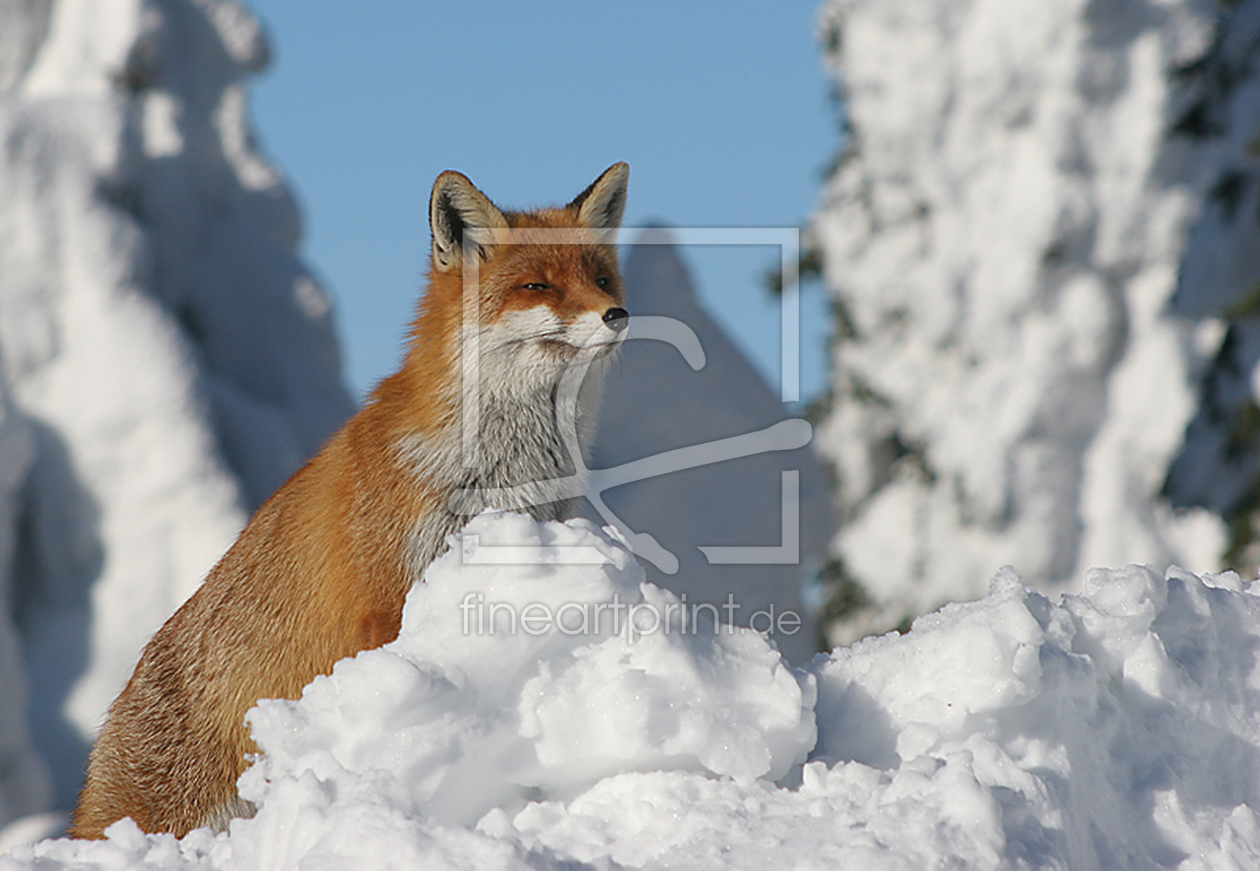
x=1116 y=729
x=1005 y=241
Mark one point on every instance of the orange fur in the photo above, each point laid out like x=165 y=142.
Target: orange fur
x=322 y=569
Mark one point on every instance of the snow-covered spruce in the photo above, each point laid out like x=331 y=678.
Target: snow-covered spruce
x=1117 y=729
x=1046 y=212
x=171 y=356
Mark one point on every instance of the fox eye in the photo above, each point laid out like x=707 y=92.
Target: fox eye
x=537 y=285
x=601 y=282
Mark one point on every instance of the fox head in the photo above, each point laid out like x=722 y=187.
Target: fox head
x=538 y=290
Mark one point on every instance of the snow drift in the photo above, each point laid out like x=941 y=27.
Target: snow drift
x=1118 y=728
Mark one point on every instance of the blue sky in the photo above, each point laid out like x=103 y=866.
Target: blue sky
x=721 y=110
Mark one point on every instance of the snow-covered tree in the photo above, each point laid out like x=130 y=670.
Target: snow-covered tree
x=1041 y=242
x=167 y=358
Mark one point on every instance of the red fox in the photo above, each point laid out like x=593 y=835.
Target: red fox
x=322 y=569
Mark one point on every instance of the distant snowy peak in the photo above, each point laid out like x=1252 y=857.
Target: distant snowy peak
x=655 y=402
x=173 y=358
x=1003 y=241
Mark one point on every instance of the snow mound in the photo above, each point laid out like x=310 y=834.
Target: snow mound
x=600 y=676
x=1119 y=728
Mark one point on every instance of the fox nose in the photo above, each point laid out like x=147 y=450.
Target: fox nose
x=617 y=318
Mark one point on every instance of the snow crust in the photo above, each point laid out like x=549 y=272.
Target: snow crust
x=1118 y=728
x=1019 y=359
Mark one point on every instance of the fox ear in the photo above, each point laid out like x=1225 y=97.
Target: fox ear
x=457 y=210
x=601 y=205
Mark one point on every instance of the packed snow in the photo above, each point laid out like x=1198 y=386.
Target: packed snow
x=1118 y=728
